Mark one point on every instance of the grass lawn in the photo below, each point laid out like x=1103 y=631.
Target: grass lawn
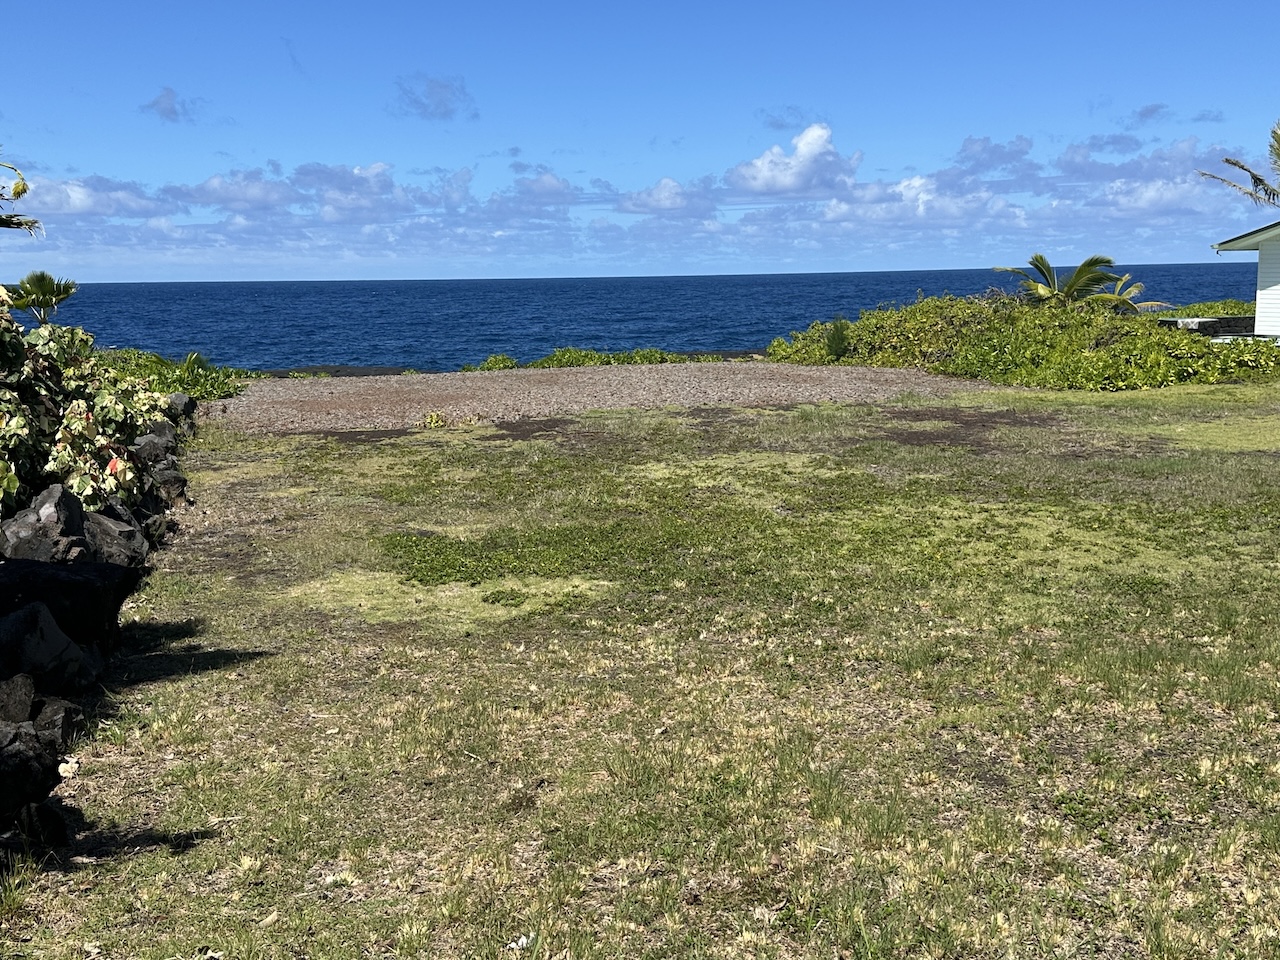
x=989 y=677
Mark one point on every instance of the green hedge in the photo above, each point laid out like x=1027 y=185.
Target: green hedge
x=1010 y=341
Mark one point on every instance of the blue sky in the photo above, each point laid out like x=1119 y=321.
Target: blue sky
x=243 y=141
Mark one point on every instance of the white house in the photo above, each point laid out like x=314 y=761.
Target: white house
x=1266 y=240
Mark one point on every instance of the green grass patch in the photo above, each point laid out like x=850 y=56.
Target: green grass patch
x=991 y=676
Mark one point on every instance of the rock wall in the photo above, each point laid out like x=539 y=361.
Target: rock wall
x=64 y=574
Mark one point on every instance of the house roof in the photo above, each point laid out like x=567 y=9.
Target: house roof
x=1251 y=240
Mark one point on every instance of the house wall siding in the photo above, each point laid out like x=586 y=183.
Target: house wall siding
x=1268 y=308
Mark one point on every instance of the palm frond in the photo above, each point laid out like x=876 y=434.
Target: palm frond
x=1274 y=149
x=20 y=223
x=1088 y=278
x=1040 y=263
x=40 y=292
x=1044 y=286
x=1261 y=192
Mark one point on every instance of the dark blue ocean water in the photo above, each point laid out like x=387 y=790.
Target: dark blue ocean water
x=442 y=324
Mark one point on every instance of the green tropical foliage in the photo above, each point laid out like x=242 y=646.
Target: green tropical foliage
x=1212 y=308
x=1007 y=340
x=578 y=357
x=39 y=294
x=195 y=376
x=1261 y=191
x=1085 y=282
x=66 y=417
x=11 y=192
x=1123 y=296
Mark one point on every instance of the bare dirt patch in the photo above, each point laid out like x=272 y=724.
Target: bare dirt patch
x=404 y=402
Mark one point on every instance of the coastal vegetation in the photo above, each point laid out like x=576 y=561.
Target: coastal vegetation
x=1260 y=190
x=194 y=375
x=1018 y=342
x=578 y=357
x=1087 y=284
x=65 y=416
x=979 y=677
x=39 y=293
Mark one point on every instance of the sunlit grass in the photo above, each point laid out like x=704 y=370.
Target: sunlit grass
x=994 y=677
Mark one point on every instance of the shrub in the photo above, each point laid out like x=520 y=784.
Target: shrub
x=66 y=417
x=499 y=361
x=1009 y=341
x=1213 y=308
x=578 y=357
x=195 y=376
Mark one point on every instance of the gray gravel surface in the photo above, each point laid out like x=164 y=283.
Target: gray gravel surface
x=397 y=402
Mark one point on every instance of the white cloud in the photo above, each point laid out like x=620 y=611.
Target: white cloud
x=98 y=197
x=668 y=198
x=786 y=209
x=814 y=166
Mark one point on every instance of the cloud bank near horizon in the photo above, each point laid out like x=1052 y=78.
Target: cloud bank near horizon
x=806 y=202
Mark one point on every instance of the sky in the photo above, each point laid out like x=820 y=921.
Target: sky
x=396 y=140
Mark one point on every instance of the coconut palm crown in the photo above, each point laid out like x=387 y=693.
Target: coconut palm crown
x=1086 y=281
x=1260 y=190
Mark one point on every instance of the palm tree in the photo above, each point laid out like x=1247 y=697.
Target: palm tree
x=1085 y=282
x=39 y=294
x=1123 y=298
x=1260 y=191
x=11 y=193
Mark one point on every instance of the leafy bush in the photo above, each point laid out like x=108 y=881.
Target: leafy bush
x=498 y=361
x=578 y=357
x=575 y=357
x=1212 y=308
x=1009 y=341
x=67 y=417
x=195 y=376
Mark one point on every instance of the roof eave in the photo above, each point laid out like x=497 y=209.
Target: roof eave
x=1251 y=240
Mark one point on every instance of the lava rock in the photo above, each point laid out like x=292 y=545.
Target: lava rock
x=50 y=530
x=42 y=824
x=32 y=643
x=167 y=480
x=113 y=540
x=55 y=715
x=151 y=448
x=180 y=407
x=28 y=767
x=85 y=598
x=16 y=697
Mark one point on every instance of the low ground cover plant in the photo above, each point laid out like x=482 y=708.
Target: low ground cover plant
x=1007 y=340
x=985 y=677
x=578 y=357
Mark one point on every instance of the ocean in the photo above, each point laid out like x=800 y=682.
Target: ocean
x=439 y=325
